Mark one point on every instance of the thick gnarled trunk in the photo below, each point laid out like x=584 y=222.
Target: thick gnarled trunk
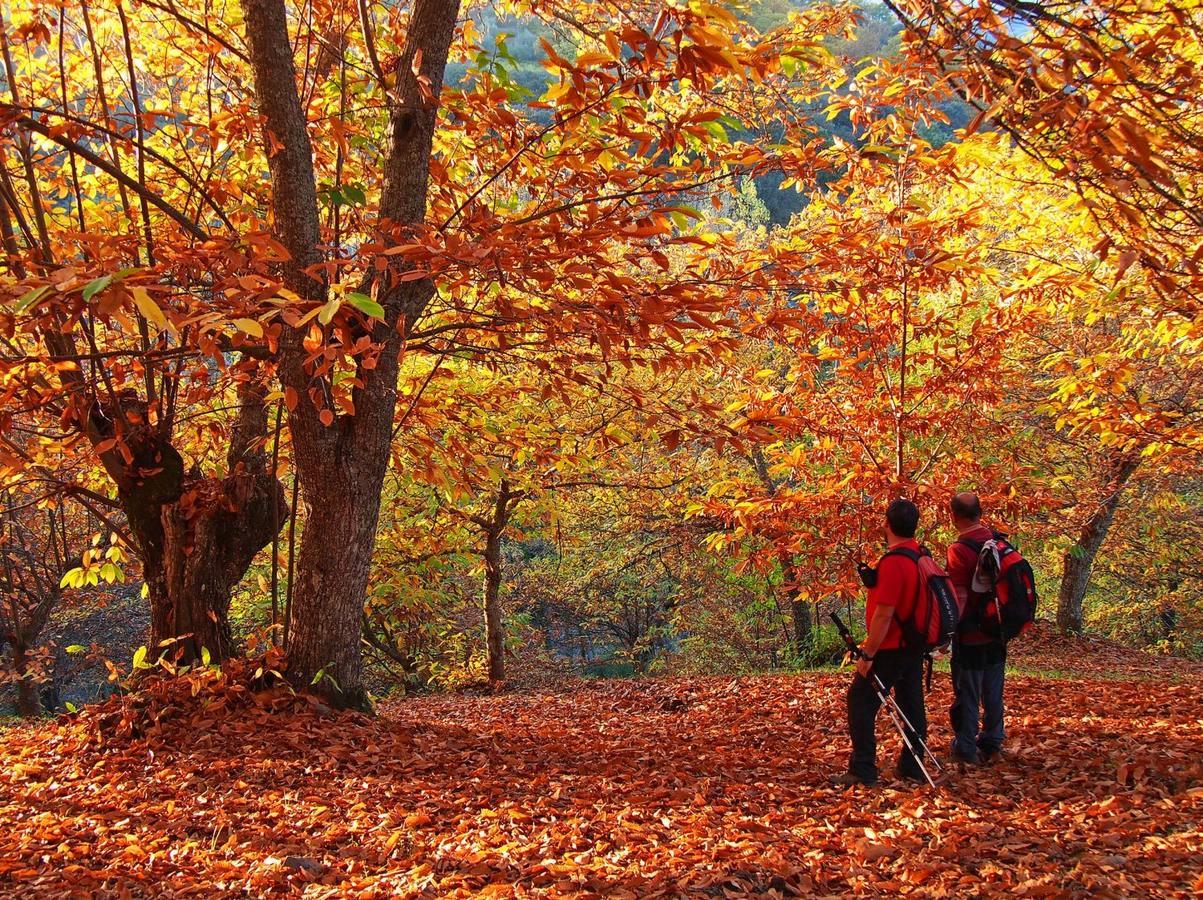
x=210 y=537
x=195 y=537
x=1079 y=558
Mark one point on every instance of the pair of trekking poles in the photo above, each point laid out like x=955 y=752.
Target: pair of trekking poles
x=897 y=716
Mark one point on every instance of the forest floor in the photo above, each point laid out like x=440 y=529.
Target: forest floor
x=708 y=787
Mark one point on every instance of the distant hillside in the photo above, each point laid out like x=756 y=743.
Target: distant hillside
x=516 y=60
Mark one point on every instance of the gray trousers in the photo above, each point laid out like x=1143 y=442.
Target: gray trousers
x=977 y=708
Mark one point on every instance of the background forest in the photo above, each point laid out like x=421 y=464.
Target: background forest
x=693 y=312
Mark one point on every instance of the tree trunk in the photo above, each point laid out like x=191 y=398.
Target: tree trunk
x=638 y=661
x=803 y=626
x=29 y=587
x=494 y=624
x=800 y=636
x=29 y=701
x=1079 y=558
x=494 y=527
x=341 y=466
x=332 y=571
x=195 y=537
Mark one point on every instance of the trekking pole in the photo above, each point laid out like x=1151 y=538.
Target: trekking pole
x=901 y=723
x=887 y=700
x=897 y=716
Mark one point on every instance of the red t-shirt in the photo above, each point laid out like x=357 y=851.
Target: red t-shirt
x=962 y=562
x=897 y=586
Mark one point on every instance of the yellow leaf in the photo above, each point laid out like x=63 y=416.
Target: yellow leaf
x=147 y=306
x=249 y=326
x=329 y=308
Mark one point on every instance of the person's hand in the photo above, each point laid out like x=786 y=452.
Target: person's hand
x=868 y=574
x=863 y=666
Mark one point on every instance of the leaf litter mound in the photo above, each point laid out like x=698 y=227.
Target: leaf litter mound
x=711 y=787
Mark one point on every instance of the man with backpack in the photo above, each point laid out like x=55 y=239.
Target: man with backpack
x=996 y=595
x=894 y=593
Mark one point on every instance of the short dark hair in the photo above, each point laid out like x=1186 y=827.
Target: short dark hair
x=967 y=506
x=903 y=518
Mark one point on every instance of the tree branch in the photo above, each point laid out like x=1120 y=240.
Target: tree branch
x=108 y=168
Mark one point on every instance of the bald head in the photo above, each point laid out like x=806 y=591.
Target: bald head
x=966 y=508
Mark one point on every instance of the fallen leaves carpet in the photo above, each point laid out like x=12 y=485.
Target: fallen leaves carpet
x=695 y=787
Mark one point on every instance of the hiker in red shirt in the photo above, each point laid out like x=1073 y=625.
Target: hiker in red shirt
x=892 y=598
x=979 y=661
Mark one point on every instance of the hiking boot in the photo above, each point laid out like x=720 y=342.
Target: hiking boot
x=989 y=757
x=915 y=777
x=964 y=760
x=847 y=779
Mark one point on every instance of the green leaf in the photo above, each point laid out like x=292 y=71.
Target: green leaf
x=29 y=298
x=77 y=648
x=206 y=656
x=366 y=305
x=140 y=658
x=95 y=286
x=71 y=707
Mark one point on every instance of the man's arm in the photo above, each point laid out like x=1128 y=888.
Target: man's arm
x=883 y=597
x=879 y=625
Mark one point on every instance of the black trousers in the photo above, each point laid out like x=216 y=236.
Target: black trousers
x=902 y=672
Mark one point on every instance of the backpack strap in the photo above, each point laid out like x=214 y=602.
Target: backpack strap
x=971 y=616
x=904 y=551
x=913 y=556
x=1005 y=547
x=910 y=554
x=975 y=546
